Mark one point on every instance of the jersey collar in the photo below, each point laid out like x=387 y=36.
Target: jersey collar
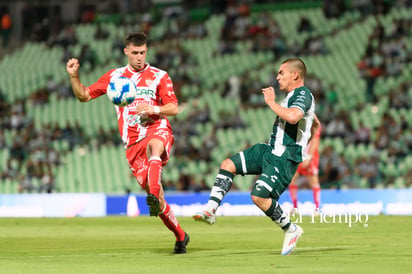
x=146 y=66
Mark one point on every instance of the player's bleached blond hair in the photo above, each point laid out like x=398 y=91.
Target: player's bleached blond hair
x=296 y=64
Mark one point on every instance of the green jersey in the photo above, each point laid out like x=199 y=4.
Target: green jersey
x=291 y=140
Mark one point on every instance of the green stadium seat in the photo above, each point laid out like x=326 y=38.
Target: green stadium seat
x=399 y=183
x=363 y=183
x=380 y=186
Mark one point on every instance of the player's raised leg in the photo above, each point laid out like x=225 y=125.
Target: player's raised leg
x=221 y=186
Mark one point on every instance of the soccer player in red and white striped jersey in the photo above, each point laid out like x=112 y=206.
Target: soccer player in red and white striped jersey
x=143 y=124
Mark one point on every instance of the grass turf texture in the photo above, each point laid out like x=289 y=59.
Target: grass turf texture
x=232 y=245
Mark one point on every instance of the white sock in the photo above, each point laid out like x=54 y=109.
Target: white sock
x=292 y=228
x=212 y=206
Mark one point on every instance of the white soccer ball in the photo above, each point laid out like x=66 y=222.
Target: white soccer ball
x=121 y=91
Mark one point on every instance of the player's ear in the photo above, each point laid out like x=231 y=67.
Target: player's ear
x=125 y=51
x=295 y=75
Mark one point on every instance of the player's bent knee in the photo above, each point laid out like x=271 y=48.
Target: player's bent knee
x=262 y=203
x=228 y=165
x=256 y=200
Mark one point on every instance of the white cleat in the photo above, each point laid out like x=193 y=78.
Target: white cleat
x=205 y=216
x=291 y=239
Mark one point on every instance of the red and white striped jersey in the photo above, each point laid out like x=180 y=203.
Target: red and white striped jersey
x=154 y=87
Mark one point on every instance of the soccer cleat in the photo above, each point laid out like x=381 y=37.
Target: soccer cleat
x=205 y=216
x=180 y=246
x=291 y=239
x=153 y=204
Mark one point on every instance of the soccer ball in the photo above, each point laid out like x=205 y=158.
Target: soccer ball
x=121 y=91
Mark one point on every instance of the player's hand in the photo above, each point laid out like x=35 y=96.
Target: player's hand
x=72 y=67
x=269 y=94
x=145 y=110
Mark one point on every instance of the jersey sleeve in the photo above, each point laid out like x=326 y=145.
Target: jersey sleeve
x=301 y=99
x=99 y=88
x=166 y=91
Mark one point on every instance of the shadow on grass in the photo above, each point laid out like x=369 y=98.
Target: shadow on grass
x=303 y=250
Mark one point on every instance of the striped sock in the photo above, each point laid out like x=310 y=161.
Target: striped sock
x=222 y=185
x=276 y=213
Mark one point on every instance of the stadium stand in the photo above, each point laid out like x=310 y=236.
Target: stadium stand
x=50 y=139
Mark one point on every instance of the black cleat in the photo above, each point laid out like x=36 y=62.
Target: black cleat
x=153 y=204
x=180 y=246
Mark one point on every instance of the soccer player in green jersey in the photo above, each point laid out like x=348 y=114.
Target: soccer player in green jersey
x=277 y=160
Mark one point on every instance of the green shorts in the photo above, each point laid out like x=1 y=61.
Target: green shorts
x=275 y=172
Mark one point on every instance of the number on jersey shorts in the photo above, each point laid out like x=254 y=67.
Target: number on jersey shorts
x=275 y=172
x=137 y=155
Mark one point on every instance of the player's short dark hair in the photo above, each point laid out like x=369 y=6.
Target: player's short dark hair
x=298 y=65
x=136 y=39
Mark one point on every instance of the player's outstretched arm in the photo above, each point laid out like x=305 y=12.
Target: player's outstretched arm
x=79 y=90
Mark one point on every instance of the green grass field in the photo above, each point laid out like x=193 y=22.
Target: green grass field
x=232 y=245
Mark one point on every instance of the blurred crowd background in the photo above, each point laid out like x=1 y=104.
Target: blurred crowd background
x=219 y=55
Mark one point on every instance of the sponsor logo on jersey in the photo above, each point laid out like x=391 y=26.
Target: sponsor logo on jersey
x=145 y=92
x=301 y=98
